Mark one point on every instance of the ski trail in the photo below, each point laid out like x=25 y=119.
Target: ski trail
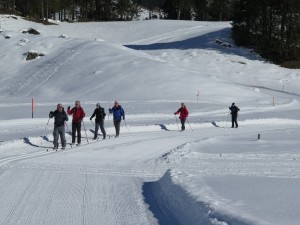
x=270 y=89
x=48 y=71
x=14 y=206
x=51 y=197
x=167 y=35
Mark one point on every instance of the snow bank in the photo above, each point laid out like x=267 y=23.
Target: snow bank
x=171 y=204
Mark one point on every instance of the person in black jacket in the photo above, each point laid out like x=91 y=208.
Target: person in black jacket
x=99 y=121
x=60 y=116
x=234 y=114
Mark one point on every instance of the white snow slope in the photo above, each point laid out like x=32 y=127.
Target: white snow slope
x=209 y=174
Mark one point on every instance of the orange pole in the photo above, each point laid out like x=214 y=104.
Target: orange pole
x=32 y=107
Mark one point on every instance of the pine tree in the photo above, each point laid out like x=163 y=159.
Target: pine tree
x=271 y=27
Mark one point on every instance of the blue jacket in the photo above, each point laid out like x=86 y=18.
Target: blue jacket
x=117 y=112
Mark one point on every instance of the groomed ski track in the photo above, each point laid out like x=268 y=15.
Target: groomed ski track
x=52 y=188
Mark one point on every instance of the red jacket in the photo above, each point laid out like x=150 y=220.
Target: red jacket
x=184 y=113
x=78 y=114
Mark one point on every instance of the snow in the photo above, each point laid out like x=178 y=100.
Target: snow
x=152 y=174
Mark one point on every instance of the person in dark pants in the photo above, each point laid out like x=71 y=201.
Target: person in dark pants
x=78 y=115
x=99 y=121
x=60 y=117
x=118 y=114
x=184 y=113
x=234 y=114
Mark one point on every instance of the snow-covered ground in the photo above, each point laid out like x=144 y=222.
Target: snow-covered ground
x=152 y=174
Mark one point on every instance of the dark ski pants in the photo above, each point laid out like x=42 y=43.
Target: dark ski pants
x=182 y=124
x=59 y=132
x=76 y=126
x=117 y=124
x=101 y=125
x=234 y=121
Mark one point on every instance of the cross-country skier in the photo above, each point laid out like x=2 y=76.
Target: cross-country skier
x=99 y=121
x=234 y=114
x=118 y=114
x=60 y=117
x=78 y=115
x=184 y=113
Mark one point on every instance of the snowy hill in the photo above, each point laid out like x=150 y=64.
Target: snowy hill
x=210 y=174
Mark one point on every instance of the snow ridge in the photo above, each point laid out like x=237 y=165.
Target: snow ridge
x=171 y=204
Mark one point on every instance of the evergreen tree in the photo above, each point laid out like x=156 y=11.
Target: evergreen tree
x=200 y=8
x=178 y=9
x=220 y=10
x=271 y=27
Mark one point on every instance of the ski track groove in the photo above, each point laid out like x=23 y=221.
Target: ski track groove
x=18 y=201
x=84 y=200
x=49 y=203
x=81 y=186
x=109 y=147
x=54 y=71
x=49 y=70
x=136 y=173
x=167 y=35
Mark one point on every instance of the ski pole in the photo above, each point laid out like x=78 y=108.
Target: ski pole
x=189 y=124
x=47 y=123
x=176 y=122
x=85 y=133
x=67 y=126
x=229 y=115
x=92 y=122
x=126 y=125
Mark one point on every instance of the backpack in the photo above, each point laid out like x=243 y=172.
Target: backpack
x=102 y=113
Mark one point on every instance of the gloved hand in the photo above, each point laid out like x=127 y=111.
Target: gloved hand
x=51 y=114
x=69 y=107
x=175 y=113
x=91 y=118
x=123 y=118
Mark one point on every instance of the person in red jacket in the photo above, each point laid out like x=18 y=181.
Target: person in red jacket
x=78 y=115
x=184 y=113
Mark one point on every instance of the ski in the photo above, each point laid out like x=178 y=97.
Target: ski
x=70 y=145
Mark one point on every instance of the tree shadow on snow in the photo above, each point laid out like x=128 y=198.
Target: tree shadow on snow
x=216 y=40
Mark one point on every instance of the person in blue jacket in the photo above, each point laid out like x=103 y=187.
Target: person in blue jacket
x=118 y=114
